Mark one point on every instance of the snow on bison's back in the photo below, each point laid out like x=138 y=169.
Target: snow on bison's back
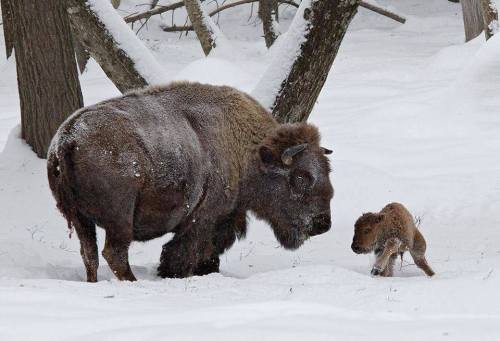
x=190 y=159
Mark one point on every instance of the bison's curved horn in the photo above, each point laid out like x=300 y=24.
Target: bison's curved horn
x=326 y=151
x=290 y=152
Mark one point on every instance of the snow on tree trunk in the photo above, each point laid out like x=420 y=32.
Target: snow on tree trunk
x=490 y=18
x=267 y=14
x=473 y=18
x=111 y=42
x=207 y=32
x=304 y=56
x=49 y=90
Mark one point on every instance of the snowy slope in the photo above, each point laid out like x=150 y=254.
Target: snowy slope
x=412 y=114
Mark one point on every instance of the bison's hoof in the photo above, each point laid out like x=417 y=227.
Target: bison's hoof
x=376 y=271
x=207 y=267
x=170 y=273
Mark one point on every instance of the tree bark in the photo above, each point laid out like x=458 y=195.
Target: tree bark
x=267 y=15
x=93 y=35
x=311 y=44
x=49 y=90
x=473 y=19
x=82 y=55
x=8 y=28
x=490 y=18
x=201 y=24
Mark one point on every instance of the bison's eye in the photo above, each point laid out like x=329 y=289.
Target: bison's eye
x=366 y=231
x=301 y=181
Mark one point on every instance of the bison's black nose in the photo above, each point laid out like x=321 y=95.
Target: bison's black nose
x=321 y=224
x=356 y=248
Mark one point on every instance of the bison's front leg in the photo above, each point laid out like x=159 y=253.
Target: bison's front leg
x=223 y=237
x=197 y=251
x=179 y=256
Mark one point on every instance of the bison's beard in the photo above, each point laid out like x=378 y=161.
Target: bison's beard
x=291 y=237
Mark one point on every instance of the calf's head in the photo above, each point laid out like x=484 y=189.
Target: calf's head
x=293 y=186
x=365 y=232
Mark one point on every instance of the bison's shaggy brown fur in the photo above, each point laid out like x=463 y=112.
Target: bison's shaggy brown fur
x=388 y=233
x=191 y=159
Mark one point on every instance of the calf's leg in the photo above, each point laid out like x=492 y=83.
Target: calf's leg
x=391 y=247
x=389 y=269
x=86 y=232
x=418 y=254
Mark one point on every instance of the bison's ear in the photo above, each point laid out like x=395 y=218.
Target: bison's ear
x=326 y=151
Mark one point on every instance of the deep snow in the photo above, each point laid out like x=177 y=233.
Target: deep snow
x=412 y=114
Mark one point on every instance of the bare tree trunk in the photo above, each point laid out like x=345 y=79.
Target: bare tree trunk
x=490 y=18
x=267 y=14
x=202 y=25
x=82 y=55
x=118 y=54
x=49 y=90
x=8 y=28
x=295 y=78
x=473 y=19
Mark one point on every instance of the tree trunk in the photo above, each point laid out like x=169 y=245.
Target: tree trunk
x=267 y=14
x=82 y=55
x=490 y=18
x=202 y=24
x=8 y=28
x=109 y=40
x=296 y=76
x=473 y=18
x=49 y=90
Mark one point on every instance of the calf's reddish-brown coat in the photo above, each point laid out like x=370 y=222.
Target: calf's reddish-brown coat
x=390 y=233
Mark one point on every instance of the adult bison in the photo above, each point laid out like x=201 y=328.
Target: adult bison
x=190 y=159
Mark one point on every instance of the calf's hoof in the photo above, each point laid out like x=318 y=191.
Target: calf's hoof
x=376 y=271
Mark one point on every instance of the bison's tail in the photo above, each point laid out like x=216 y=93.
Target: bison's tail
x=60 y=174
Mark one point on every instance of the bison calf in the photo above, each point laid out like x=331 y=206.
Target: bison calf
x=390 y=232
x=190 y=159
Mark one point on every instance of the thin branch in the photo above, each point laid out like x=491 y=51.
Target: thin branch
x=220 y=9
x=158 y=10
x=383 y=12
x=163 y=9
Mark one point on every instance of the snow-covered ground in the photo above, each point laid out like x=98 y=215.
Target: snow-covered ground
x=412 y=114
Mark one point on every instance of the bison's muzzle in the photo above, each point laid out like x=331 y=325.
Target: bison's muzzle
x=321 y=224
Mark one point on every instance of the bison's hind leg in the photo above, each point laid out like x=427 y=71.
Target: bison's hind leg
x=118 y=239
x=86 y=232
